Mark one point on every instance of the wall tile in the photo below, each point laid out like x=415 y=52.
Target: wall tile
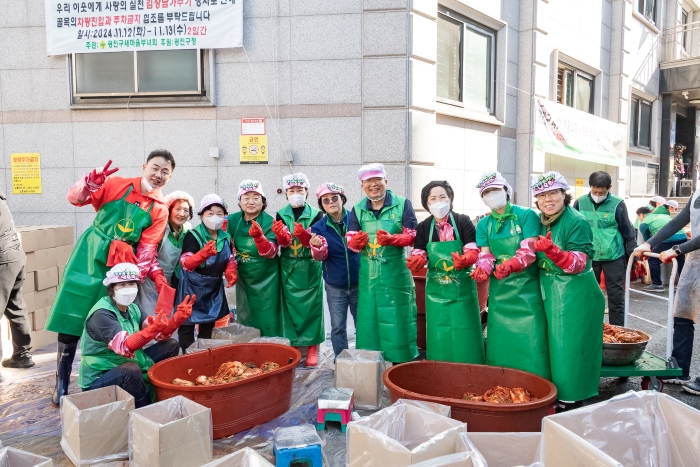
x=423 y=37
x=384 y=33
x=384 y=82
x=324 y=7
x=242 y=84
x=422 y=84
x=322 y=37
x=96 y=142
x=385 y=4
x=385 y=135
x=14 y=14
x=55 y=184
x=326 y=81
x=189 y=140
x=265 y=8
x=53 y=141
x=260 y=41
x=422 y=136
x=327 y=141
x=27 y=50
x=31 y=89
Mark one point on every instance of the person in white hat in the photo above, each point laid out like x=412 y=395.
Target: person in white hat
x=164 y=270
x=381 y=225
x=302 y=291
x=517 y=324
x=116 y=331
x=258 y=290
x=573 y=302
x=654 y=202
x=208 y=255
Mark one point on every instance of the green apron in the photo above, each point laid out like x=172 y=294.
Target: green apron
x=451 y=306
x=302 y=286
x=257 y=288
x=97 y=358
x=81 y=285
x=517 y=325
x=386 y=309
x=574 y=306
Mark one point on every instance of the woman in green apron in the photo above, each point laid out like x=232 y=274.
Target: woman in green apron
x=301 y=276
x=258 y=288
x=445 y=241
x=115 y=333
x=164 y=269
x=517 y=325
x=573 y=302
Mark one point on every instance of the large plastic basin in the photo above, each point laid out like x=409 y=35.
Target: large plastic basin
x=445 y=382
x=234 y=406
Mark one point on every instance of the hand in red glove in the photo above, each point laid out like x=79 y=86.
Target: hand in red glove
x=279 y=228
x=507 y=268
x=159 y=280
x=301 y=233
x=465 y=260
x=231 y=276
x=255 y=230
x=640 y=270
x=359 y=241
x=153 y=328
x=182 y=314
x=415 y=263
x=98 y=177
x=209 y=250
x=120 y=252
x=562 y=259
x=384 y=238
x=261 y=243
x=479 y=275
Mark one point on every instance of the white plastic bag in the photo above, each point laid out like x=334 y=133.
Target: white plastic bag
x=10 y=457
x=361 y=370
x=507 y=449
x=246 y=457
x=235 y=333
x=204 y=344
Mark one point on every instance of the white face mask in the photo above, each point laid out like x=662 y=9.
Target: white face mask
x=146 y=185
x=440 y=209
x=296 y=200
x=495 y=199
x=598 y=199
x=126 y=295
x=213 y=222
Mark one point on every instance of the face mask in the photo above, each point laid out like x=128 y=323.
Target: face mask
x=126 y=295
x=213 y=222
x=439 y=209
x=146 y=185
x=598 y=199
x=495 y=199
x=296 y=200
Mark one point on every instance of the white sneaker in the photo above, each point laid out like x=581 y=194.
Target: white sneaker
x=676 y=380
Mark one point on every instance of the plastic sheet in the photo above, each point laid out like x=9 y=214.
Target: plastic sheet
x=272 y=340
x=402 y=434
x=176 y=432
x=444 y=410
x=336 y=399
x=507 y=449
x=361 y=370
x=292 y=437
x=10 y=457
x=94 y=425
x=644 y=429
x=205 y=344
x=246 y=457
x=235 y=333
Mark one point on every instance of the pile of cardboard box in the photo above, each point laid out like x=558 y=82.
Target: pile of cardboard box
x=48 y=248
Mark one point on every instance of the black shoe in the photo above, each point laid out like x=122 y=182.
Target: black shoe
x=563 y=406
x=693 y=387
x=22 y=362
x=64 y=363
x=143 y=401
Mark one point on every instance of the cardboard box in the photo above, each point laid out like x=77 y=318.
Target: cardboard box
x=41 y=259
x=63 y=235
x=11 y=457
x=30 y=302
x=246 y=457
x=28 y=286
x=63 y=253
x=507 y=449
x=60 y=267
x=39 y=318
x=33 y=238
x=46 y=278
x=43 y=338
x=362 y=371
x=44 y=298
x=95 y=425
x=402 y=435
x=176 y=432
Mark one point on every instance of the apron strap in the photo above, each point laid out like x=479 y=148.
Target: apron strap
x=129 y=190
x=454 y=228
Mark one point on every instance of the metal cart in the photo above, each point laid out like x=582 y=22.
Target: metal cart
x=651 y=367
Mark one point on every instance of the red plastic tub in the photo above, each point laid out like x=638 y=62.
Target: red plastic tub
x=234 y=406
x=419 y=281
x=445 y=382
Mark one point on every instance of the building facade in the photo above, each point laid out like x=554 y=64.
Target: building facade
x=433 y=89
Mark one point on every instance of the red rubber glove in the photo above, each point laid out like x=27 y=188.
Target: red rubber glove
x=415 y=263
x=279 y=228
x=147 y=334
x=507 y=268
x=303 y=236
x=465 y=260
x=231 y=275
x=384 y=238
x=640 y=270
x=559 y=257
x=479 y=275
x=201 y=256
x=261 y=243
x=98 y=177
x=159 y=279
x=182 y=314
x=359 y=241
x=120 y=252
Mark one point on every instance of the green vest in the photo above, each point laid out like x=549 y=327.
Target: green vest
x=607 y=240
x=98 y=358
x=657 y=219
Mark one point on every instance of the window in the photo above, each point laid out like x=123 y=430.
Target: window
x=148 y=73
x=640 y=123
x=644 y=179
x=647 y=8
x=465 y=62
x=652 y=179
x=575 y=89
x=684 y=22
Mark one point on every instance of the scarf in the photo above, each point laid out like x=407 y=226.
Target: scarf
x=549 y=220
x=502 y=218
x=445 y=230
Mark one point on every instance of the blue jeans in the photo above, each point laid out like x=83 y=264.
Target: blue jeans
x=128 y=376
x=339 y=299
x=655 y=263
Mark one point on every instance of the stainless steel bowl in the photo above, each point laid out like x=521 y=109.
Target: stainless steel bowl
x=624 y=354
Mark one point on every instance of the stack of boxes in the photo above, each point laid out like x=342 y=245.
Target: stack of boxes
x=48 y=248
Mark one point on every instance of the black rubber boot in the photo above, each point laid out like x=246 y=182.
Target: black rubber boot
x=64 y=363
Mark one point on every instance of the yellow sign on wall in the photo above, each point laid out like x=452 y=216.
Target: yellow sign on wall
x=579 y=187
x=26 y=173
x=253 y=149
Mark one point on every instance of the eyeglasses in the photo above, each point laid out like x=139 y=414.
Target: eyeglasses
x=372 y=181
x=329 y=200
x=548 y=194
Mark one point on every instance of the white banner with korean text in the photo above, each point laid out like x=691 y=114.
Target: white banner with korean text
x=128 y=25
